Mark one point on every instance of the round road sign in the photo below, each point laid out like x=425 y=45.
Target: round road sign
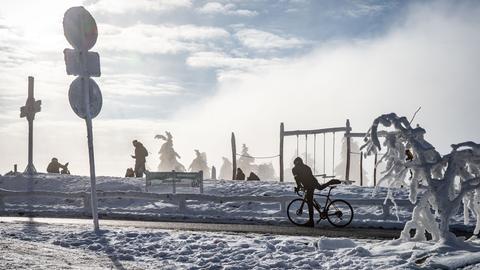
x=79 y=28
x=76 y=96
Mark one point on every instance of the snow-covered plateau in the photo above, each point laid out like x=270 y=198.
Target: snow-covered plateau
x=68 y=246
x=368 y=209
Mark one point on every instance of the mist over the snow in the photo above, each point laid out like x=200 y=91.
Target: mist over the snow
x=428 y=57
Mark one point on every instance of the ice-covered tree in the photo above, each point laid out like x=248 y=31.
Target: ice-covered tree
x=265 y=171
x=168 y=156
x=448 y=179
x=226 y=169
x=246 y=162
x=200 y=164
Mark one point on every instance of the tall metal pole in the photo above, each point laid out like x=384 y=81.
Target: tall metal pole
x=88 y=121
x=30 y=124
x=80 y=30
x=282 y=130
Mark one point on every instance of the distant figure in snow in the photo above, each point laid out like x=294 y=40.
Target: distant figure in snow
x=304 y=177
x=54 y=166
x=226 y=170
x=168 y=156
x=140 y=158
x=200 y=164
x=253 y=177
x=130 y=173
x=240 y=175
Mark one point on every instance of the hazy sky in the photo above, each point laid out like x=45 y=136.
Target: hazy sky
x=202 y=69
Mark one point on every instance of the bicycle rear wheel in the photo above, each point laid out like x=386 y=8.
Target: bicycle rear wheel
x=339 y=213
x=297 y=212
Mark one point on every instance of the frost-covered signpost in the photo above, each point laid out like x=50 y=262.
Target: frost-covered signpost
x=28 y=111
x=84 y=95
x=449 y=179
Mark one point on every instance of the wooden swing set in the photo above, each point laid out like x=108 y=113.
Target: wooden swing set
x=347 y=133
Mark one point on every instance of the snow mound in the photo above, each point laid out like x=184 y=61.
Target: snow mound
x=335 y=243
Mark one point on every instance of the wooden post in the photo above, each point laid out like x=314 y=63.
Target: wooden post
x=306 y=149
x=361 y=169
x=282 y=130
x=174 y=178
x=15 y=169
x=214 y=173
x=234 y=157
x=201 y=183
x=375 y=172
x=347 y=135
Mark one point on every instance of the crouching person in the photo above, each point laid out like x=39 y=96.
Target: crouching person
x=54 y=166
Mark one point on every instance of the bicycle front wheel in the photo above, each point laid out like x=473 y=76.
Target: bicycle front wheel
x=297 y=212
x=339 y=213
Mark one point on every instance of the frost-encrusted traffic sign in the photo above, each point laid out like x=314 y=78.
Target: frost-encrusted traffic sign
x=84 y=94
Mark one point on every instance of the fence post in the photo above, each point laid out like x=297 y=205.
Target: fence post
x=182 y=204
x=87 y=208
x=347 y=135
x=234 y=157
x=2 y=203
x=385 y=210
x=174 y=178
x=283 y=206
x=201 y=181
x=214 y=173
x=361 y=169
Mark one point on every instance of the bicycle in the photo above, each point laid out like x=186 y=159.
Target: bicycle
x=338 y=212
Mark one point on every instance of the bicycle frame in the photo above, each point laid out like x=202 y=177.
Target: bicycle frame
x=321 y=210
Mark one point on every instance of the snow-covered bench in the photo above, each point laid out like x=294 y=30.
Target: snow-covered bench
x=189 y=181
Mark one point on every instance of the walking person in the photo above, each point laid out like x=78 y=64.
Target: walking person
x=140 y=158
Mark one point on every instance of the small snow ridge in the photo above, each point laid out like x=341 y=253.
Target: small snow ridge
x=335 y=243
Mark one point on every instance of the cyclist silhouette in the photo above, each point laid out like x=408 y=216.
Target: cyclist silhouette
x=305 y=179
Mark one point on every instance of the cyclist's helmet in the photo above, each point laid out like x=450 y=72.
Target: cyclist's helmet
x=298 y=161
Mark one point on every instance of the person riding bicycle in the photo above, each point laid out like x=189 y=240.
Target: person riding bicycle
x=305 y=179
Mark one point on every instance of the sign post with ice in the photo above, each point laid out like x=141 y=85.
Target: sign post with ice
x=85 y=98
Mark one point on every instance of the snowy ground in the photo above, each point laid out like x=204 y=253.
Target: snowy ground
x=39 y=246
x=238 y=212
x=43 y=246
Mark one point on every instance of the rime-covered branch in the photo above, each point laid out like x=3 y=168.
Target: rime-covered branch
x=438 y=173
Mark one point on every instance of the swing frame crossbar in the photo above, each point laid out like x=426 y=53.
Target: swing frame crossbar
x=346 y=130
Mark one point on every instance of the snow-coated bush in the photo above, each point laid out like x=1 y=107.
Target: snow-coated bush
x=448 y=179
